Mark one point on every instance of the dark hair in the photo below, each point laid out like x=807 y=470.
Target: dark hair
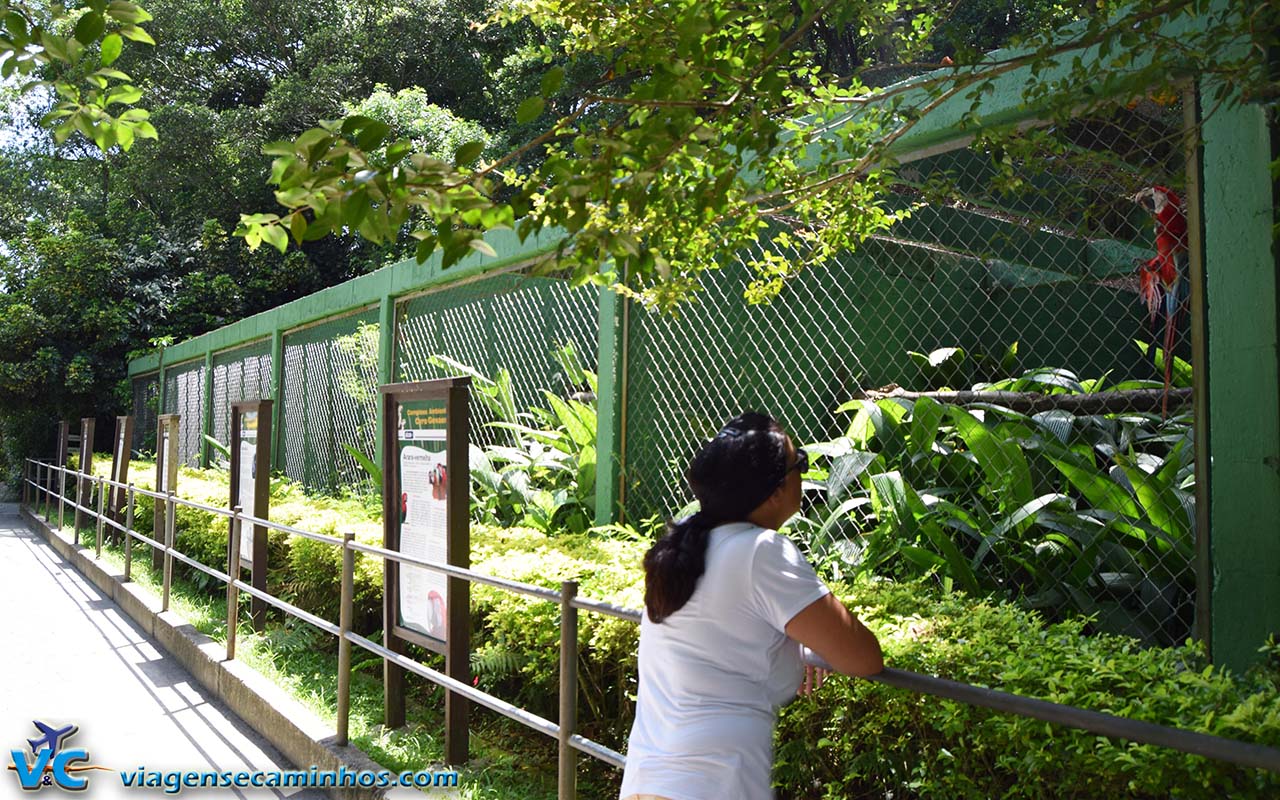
x=733 y=473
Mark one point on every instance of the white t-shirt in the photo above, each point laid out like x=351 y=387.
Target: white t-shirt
x=714 y=673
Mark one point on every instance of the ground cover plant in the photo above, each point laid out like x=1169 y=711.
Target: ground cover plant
x=854 y=738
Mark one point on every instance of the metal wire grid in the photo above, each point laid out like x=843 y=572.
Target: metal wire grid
x=146 y=397
x=511 y=321
x=240 y=374
x=330 y=396
x=1035 y=244
x=184 y=394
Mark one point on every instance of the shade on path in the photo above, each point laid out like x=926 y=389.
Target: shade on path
x=69 y=655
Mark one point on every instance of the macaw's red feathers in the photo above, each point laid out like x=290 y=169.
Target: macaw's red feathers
x=1161 y=277
x=1149 y=289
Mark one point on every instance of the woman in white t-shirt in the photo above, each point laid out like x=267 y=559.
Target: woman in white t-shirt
x=733 y=614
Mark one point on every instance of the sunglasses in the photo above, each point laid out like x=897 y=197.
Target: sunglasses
x=801 y=463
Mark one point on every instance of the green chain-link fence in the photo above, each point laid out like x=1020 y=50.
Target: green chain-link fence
x=513 y=322
x=184 y=394
x=240 y=374
x=146 y=399
x=1013 y=274
x=330 y=400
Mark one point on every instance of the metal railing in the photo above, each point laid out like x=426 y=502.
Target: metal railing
x=1233 y=751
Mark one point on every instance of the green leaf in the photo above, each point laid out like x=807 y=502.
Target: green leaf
x=275 y=236
x=845 y=470
x=1002 y=462
x=372 y=134
x=123 y=11
x=1158 y=496
x=124 y=135
x=112 y=46
x=1020 y=518
x=579 y=431
x=1099 y=490
x=926 y=416
x=551 y=81
x=55 y=46
x=89 y=28
x=136 y=34
x=481 y=246
x=126 y=94
x=467 y=153
x=530 y=110
x=218 y=446
x=958 y=567
x=366 y=463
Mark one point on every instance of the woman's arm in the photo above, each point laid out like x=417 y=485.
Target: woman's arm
x=830 y=630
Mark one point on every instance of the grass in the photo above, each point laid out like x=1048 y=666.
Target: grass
x=508 y=762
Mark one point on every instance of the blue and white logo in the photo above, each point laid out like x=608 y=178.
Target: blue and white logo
x=50 y=763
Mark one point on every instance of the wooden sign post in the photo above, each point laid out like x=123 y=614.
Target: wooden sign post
x=426 y=498
x=120 y=452
x=84 y=489
x=251 y=490
x=166 y=477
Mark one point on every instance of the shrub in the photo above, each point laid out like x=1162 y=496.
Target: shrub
x=857 y=738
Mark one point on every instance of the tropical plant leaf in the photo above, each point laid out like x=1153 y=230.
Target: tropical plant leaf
x=845 y=470
x=219 y=446
x=1101 y=492
x=366 y=463
x=1001 y=461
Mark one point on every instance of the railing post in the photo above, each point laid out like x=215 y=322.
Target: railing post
x=233 y=574
x=62 y=498
x=170 y=513
x=48 y=494
x=567 y=770
x=344 y=644
x=26 y=474
x=102 y=493
x=128 y=535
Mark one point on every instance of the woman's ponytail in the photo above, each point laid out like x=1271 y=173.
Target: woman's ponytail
x=674 y=564
x=731 y=475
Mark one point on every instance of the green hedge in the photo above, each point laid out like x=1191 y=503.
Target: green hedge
x=853 y=738
x=857 y=738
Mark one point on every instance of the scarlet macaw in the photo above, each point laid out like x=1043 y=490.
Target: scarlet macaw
x=1163 y=277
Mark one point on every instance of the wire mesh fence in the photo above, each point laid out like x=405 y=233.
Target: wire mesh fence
x=1021 y=276
x=512 y=322
x=240 y=374
x=330 y=396
x=146 y=400
x=982 y=388
x=184 y=394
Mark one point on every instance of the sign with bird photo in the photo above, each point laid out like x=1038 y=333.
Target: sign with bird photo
x=426 y=513
x=424 y=474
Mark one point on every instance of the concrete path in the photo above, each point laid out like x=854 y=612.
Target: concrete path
x=69 y=655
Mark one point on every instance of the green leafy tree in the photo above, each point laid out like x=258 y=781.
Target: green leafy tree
x=713 y=122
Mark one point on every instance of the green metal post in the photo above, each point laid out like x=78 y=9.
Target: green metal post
x=160 y=394
x=206 y=450
x=1244 y=381
x=611 y=406
x=386 y=358
x=277 y=393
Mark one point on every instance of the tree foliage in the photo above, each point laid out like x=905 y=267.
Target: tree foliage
x=713 y=121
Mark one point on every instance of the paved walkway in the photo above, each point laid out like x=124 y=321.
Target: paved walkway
x=69 y=655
